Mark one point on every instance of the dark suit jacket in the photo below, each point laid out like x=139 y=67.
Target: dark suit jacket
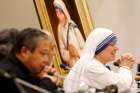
x=16 y=69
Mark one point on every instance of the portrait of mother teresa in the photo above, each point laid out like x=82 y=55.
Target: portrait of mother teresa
x=70 y=38
x=90 y=70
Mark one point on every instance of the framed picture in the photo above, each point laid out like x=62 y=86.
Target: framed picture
x=77 y=10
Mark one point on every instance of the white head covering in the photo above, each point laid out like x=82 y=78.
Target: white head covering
x=97 y=39
x=60 y=5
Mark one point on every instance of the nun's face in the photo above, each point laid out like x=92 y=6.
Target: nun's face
x=109 y=53
x=60 y=15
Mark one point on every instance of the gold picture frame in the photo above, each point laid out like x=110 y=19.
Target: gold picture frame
x=47 y=22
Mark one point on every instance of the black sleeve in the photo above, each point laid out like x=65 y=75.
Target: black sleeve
x=47 y=84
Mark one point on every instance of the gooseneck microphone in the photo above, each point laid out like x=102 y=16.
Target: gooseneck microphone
x=5 y=74
x=56 y=75
x=20 y=83
x=64 y=66
x=116 y=64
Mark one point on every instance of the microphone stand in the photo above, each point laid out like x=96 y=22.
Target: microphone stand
x=19 y=82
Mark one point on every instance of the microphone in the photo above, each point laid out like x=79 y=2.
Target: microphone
x=64 y=66
x=19 y=82
x=56 y=74
x=116 y=64
x=5 y=74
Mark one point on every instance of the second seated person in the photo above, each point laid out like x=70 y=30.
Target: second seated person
x=71 y=41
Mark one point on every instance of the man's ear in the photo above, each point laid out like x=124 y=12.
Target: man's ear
x=25 y=52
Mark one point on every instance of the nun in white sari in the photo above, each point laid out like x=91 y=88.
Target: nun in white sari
x=71 y=41
x=90 y=72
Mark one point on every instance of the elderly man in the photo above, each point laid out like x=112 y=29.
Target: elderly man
x=32 y=52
